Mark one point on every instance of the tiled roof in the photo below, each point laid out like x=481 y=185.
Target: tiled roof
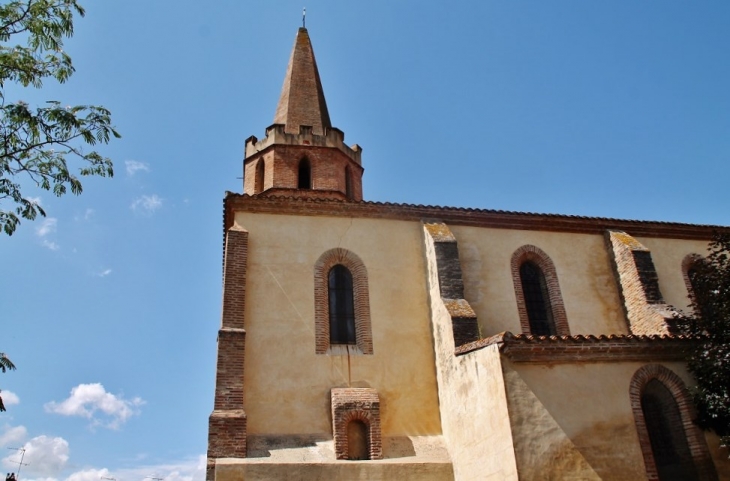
x=586 y=348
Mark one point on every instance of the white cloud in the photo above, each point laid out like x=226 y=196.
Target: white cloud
x=104 y=273
x=9 y=398
x=147 y=204
x=191 y=469
x=134 y=166
x=89 y=475
x=35 y=200
x=13 y=436
x=90 y=400
x=50 y=245
x=45 y=456
x=48 y=226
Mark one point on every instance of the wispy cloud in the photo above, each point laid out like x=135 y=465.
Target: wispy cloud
x=147 y=204
x=45 y=229
x=87 y=215
x=134 y=166
x=45 y=455
x=12 y=435
x=48 y=226
x=35 y=200
x=104 y=273
x=91 y=401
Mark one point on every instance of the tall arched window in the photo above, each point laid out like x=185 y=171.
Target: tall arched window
x=260 y=171
x=305 y=175
x=537 y=300
x=341 y=306
x=673 y=446
x=666 y=433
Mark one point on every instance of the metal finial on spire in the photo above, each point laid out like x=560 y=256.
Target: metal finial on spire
x=304 y=17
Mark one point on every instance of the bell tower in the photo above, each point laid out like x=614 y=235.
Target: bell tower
x=302 y=155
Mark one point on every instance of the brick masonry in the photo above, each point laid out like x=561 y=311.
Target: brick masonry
x=227 y=423
x=356 y=404
x=361 y=298
x=645 y=309
x=329 y=166
x=695 y=438
x=451 y=284
x=543 y=261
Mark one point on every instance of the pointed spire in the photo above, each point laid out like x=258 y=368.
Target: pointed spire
x=302 y=99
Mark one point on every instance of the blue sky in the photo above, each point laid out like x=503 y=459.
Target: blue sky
x=111 y=305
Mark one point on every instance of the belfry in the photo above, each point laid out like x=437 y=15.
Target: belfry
x=302 y=154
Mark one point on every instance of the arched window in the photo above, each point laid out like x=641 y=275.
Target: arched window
x=537 y=300
x=341 y=306
x=357 y=440
x=260 y=171
x=348 y=182
x=673 y=447
x=666 y=433
x=305 y=175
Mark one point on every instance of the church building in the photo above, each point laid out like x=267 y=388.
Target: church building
x=376 y=341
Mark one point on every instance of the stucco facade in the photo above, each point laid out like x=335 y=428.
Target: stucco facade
x=446 y=375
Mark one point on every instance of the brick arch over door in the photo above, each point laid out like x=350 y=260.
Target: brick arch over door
x=695 y=437
x=361 y=298
x=542 y=260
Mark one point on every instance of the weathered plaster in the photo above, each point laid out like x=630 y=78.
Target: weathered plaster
x=287 y=385
x=583 y=267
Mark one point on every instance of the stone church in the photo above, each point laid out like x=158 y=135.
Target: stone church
x=376 y=341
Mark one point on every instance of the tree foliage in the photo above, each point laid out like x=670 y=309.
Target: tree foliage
x=37 y=143
x=710 y=362
x=5 y=364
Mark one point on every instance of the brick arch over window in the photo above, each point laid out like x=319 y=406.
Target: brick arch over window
x=690 y=261
x=695 y=438
x=361 y=298
x=542 y=260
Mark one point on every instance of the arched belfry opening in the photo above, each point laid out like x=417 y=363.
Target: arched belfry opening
x=304 y=176
x=348 y=183
x=260 y=173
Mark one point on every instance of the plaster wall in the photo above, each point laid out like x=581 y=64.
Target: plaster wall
x=575 y=421
x=668 y=255
x=474 y=414
x=583 y=266
x=287 y=385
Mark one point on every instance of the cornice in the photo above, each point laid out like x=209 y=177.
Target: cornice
x=488 y=218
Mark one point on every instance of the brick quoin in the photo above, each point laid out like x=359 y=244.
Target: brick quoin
x=645 y=309
x=227 y=423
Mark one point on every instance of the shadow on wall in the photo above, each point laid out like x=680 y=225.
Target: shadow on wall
x=262 y=446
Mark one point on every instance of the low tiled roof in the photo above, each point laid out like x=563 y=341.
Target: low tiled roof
x=587 y=348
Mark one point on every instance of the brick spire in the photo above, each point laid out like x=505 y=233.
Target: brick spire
x=302 y=98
